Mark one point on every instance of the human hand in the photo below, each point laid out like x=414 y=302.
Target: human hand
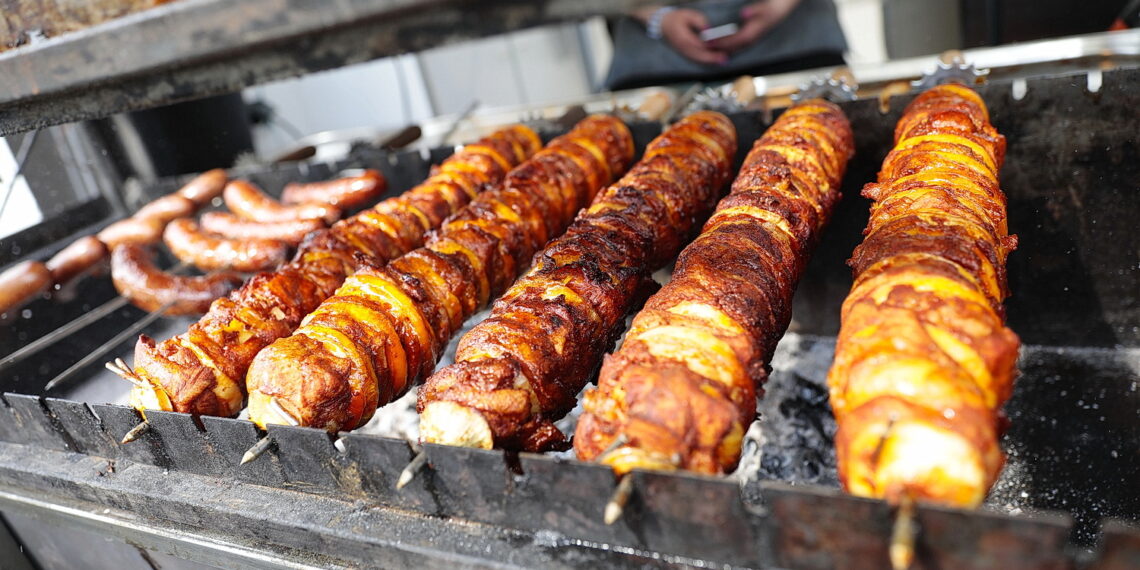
x=755 y=21
x=682 y=28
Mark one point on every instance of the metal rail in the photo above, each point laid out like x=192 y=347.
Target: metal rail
x=209 y=47
x=296 y=490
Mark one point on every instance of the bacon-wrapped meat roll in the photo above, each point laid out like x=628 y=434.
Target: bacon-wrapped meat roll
x=681 y=391
x=522 y=367
x=385 y=328
x=203 y=370
x=923 y=362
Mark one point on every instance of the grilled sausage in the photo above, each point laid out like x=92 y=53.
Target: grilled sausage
x=385 y=328
x=131 y=230
x=205 y=187
x=208 y=253
x=923 y=362
x=167 y=208
x=521 y=369
x=137 y=278
x=230 y=226
x=248 y=202
x=22 y=283
x=75 y=259
x=344 y=193
x=201 y=370
x=681 y=390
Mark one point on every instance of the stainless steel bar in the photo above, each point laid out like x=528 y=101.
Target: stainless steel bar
x=109 y=68
x=72 y=327
x=107 y=346
x=63 y=332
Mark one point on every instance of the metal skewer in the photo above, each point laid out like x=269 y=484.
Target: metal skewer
x=136 y=432
x=108 y=346
x=263 y=444
x=120 y=368
x=616 y=505
x=64 y=331
x=257 y=450
x=414 y=466
x=72 y=327
x=903 y=534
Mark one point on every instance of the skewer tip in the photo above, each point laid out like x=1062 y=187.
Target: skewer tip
x=414 y=466
x=136 y=432
x=616 y=505
x=257 y=450
x=903 y=535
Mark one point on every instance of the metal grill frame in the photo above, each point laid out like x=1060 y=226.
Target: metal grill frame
x=316 y=499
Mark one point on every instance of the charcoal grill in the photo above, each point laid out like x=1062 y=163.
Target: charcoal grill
x=1067 y=498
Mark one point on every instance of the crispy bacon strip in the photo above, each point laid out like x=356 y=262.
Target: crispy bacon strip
x=203 y=370
x=681 y=391
x=923 y=362
x=386 y=328
x=522 y=367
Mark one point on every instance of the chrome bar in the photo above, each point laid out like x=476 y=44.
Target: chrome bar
x=106 y=347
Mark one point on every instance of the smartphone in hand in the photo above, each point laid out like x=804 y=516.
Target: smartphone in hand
x=717 y=32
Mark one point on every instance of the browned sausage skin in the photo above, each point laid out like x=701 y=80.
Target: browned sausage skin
x=346 y=193
x=166 y=208
x=137 y=278
x=76 y=259
x=131 y=230
x=228 y=225
x=22 y=283
x=208 y=252
x=247 y=201
x=205 y=187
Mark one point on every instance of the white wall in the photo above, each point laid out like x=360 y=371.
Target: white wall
x=20 y=210
x=385 y=94
x=529 y=66
x=862 y=22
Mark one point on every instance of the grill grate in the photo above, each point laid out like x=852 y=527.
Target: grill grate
x=1071 y=176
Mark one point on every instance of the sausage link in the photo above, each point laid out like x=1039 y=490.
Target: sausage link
x=228 y=225
x=207 y=252
x=205 y=187
x=137 y=278
x=344 y=193
x=75 y=259
x=21 y=283
x=166 y=208
x=131 y=230
x=247 y=201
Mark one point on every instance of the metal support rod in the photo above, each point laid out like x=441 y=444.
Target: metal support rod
x=136 y=432
x=902 y=535
x=616 y=505
x=258 y=449
x=74 y=326
x=415 y=466
x=108 y=346
x=63 y=332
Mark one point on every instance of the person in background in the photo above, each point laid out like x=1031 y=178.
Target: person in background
x=664 y=44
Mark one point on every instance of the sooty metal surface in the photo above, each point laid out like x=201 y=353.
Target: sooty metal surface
x=1072 y=444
